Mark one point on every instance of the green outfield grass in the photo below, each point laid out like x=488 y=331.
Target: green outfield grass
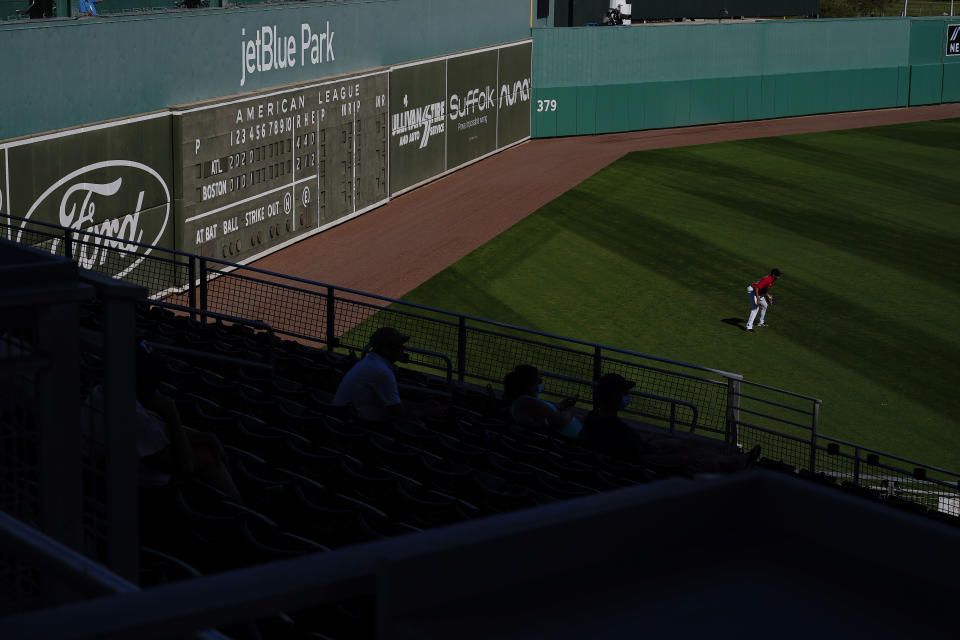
x=653 y=254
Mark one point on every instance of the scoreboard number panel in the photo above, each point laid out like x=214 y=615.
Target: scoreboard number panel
x=352 y=147
x=256 y=172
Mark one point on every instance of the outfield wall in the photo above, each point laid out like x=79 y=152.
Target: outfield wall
x=602 y=80
x=241 y=176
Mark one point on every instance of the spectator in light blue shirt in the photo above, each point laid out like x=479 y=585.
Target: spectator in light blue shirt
x=88 y=7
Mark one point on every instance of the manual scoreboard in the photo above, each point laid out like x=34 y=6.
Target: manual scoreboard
x=258 y=171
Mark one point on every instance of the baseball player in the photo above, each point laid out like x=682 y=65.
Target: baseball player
x=759 y=294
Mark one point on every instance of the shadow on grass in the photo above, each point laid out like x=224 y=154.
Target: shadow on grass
x=735 y=322
x=844 y=223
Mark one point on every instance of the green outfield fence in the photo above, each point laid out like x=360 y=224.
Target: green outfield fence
x=673 y=395
x=602 y=80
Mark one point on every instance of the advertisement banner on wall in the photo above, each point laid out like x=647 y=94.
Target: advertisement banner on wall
x=417 y=123
x=514 y=92
x=113 y=179
x=472 y=101
x=953 y=40
x=447 y=112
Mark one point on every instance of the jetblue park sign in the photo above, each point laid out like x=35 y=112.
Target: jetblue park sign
x=265 y=48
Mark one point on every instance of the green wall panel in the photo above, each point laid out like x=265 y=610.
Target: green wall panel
x=903 y=86
x=880 y=88
x=747 y=97
x=810 y=93
x=566 y=111
x=636 y=112
x=613 y=108
x=768 y=94
x=844 y=90
x=926 y=41
x=795 y=46
x=543 y=124
x=658 y=112
x=586 y=110
x=554 y=112
x=712 y=100
x=926 y=84
x=951 y=83
x=668 y=104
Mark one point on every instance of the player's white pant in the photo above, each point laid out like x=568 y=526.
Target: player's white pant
x=762 y=308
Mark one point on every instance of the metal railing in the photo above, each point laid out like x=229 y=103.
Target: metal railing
x=640 y=396
x=76 y=572
x=716 y=403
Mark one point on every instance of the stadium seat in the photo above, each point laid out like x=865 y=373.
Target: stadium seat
x=157 y=568
x=499 y=496
x=425 y=508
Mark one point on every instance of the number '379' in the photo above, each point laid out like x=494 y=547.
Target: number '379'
x=546 y=105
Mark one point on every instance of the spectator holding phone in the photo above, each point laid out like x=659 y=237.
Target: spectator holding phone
x=521 y=390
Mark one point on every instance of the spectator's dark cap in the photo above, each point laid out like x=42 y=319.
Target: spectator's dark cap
x=387 y=337
x=614 y=384
x=776 y=272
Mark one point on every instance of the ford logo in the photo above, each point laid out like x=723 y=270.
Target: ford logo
x=84 y=205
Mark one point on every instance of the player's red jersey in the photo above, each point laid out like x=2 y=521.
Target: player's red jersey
x=765 y=283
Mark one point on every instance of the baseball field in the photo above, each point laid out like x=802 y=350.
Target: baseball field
x=654 y=253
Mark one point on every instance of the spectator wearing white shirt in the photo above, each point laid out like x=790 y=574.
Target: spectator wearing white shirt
x=371 y=385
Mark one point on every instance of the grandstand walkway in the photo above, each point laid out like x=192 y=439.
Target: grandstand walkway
x=393 y=249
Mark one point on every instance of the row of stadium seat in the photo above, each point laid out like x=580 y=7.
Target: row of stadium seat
x=313 y=477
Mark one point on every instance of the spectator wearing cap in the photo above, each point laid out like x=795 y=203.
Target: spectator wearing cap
x=370 y=386
x=666 y=454
x=759 y=295
x=604 y=428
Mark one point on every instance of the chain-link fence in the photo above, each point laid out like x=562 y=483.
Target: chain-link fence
x=672 y=395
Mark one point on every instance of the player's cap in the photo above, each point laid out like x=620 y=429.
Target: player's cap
x=614 y=384
x=776 y=272
x=388 y=337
